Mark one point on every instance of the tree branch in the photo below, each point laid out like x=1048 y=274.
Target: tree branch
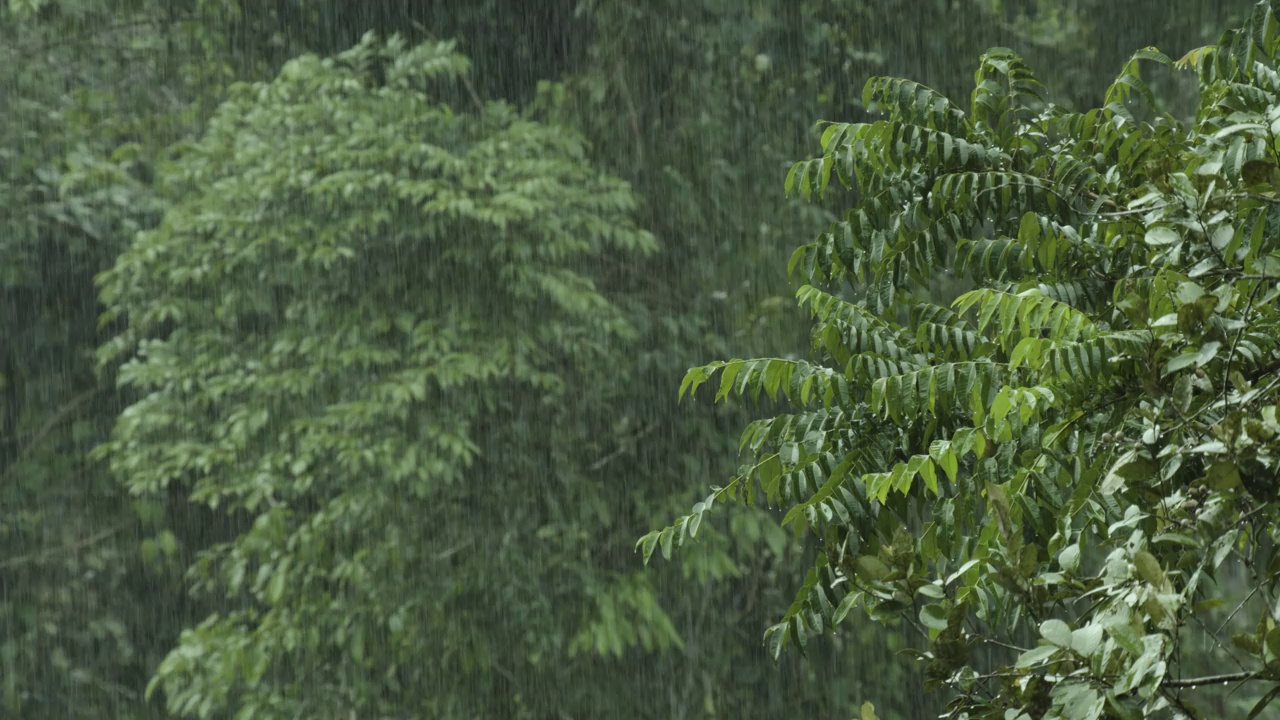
x=466 y=79
x=1214 y=679
x=628 y=444
x=69 y=547
x=55 y=418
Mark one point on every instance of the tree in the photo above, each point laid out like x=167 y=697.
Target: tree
x=1059 y=476
x=359 y=332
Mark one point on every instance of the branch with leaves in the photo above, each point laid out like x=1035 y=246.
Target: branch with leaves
x=952 y=464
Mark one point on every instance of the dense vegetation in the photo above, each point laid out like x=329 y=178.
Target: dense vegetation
x=1072 y=466
x=337 y=369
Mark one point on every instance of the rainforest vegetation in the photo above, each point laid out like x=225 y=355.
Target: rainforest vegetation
x=345 y=355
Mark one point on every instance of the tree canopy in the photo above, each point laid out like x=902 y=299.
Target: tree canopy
x=294 y=323
x=1066 y=475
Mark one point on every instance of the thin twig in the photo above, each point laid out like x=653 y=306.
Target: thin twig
x=1232 y=616
x=1217 y=641
x=69 y=547
x=39 y=435
x=1214 y=679
x=466 y=79
x=1231 y=356
x=597 y=465
x=94 y=29
x=632 y=115
x=1000 y=643
x=450 y=552
x=1236 y=275
x=1130 y=211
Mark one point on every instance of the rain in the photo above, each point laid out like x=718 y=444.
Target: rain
x=342 y=346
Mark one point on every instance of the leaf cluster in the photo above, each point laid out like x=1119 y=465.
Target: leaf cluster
x=1065 y=464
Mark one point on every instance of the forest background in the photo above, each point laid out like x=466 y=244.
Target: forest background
x=521 y=595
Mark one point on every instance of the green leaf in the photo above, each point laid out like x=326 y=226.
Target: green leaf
x=1223 y=476
x=931 y=590
x=950 y=465
x=1127 y=638
x=647 y=545
x=933 y=617
x=842 y=610
x=1086 y=640
x=1149 y=568
x=1247 y=642
x=1056 y=632
x=1207 y=352
x=1182 y=393
x=664 y=540
x=1115 y=480
x=728 y=377
x=1133 y=466
x=1069 y=559
x=1263 y=703
x=1184 y=360
x=872 y=568
x=1035 y=656
x=275 y=588
x=1161 y=235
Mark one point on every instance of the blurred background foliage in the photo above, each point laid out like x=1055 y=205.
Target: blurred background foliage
x=100 y=98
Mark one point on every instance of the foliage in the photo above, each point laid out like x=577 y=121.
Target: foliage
x=1056 y=477
x=82 y=124
x=308 y=356
x=671 y=94
x=712 y=95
